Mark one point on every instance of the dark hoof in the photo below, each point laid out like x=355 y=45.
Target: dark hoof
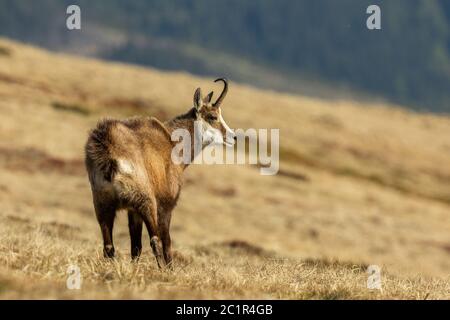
x=157 y=251
x=108 y=252
x=169 y=266
x=135 y=254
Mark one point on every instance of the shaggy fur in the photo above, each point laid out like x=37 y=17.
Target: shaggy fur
x=130 y=167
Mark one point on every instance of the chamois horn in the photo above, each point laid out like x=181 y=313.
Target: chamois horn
x=224 y=92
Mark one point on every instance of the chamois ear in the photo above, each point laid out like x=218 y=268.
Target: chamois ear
x=198 y=100
x=208 y=97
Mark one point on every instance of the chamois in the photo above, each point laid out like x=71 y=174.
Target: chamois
x=130 y=167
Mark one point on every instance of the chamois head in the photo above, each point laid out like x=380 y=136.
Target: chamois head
x=210 y=119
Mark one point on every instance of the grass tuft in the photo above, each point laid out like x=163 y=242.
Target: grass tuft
x=73 y=108
x=5 y=51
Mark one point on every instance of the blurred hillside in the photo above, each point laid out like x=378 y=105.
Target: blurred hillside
x=359 y=184
x=319 y=48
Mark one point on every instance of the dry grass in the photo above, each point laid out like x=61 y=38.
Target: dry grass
x=221 y=270
x=358 y=185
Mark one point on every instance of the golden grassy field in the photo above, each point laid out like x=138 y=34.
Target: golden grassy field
x=359 y=184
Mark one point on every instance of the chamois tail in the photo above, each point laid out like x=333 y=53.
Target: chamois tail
x=97 y=151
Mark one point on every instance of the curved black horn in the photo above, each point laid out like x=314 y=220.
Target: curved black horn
x=224 y=92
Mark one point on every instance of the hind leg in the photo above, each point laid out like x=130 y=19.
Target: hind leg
x=135 y=227
x=106 y=212
x=164 y=226
x=148 y=212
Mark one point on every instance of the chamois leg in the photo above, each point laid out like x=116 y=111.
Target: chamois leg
x=164 y=226
x=135 y=227
x=149 y=214
x=106 y=213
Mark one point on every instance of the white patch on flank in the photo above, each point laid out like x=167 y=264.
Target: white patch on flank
x=125 y=166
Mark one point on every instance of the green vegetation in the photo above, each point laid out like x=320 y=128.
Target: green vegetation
x=408 y=61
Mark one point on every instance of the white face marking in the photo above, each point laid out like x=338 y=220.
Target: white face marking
x=210 y=134
x=213 y=135
x=229 y=136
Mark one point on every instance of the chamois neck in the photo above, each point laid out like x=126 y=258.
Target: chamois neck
x=184 y=121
